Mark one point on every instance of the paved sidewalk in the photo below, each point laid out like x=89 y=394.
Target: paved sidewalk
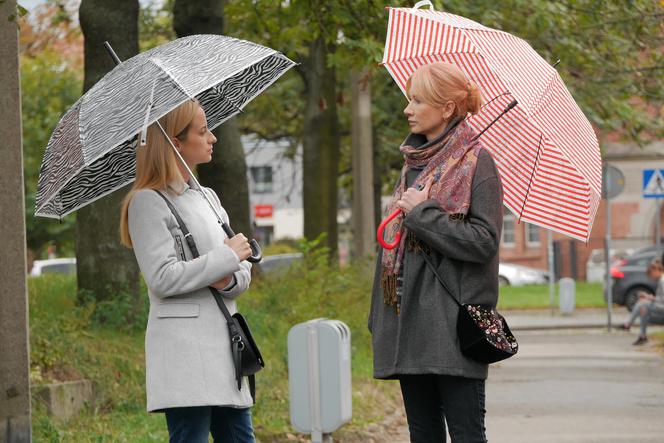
x=524 y=320
x=574 y=386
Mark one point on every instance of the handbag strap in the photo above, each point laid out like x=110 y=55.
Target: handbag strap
x=440 y=279
x=194 y=251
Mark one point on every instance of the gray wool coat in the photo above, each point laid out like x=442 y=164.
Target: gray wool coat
x=423 y=338
x=187 y=348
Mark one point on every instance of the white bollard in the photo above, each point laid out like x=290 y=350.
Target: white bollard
x=567 y=295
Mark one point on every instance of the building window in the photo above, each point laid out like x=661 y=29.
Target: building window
x=532 y=234
x=509 y=234
x=262 y=177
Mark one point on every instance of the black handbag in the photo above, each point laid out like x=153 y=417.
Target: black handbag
x=483 y=333
x=247 y=358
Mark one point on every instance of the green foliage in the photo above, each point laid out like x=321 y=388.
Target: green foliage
x=49 y=87
x=57 y=327
x=283 y=246
x=155 y=23
x=122 y=312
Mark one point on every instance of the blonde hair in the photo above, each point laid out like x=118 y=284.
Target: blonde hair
x=156 y=163
x=439 y=83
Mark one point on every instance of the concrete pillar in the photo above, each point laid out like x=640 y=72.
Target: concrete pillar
x=363 y=220
x=14 y=361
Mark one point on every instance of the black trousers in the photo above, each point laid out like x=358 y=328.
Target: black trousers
x=432 y=400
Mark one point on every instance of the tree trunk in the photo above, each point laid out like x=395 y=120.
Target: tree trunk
x=15 y=415
x=227 y=172
x=364 y=232
x=104 y=266
x=321 y=146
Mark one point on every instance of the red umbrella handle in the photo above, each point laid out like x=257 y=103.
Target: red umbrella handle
x=381 y=229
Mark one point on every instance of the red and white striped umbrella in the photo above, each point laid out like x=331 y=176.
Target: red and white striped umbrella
x=545 y=148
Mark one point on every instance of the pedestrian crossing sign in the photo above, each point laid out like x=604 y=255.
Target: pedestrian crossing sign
x=653 y=183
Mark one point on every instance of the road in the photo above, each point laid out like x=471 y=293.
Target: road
x=581 y=386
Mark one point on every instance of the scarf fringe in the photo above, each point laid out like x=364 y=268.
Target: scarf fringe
x=388 y=283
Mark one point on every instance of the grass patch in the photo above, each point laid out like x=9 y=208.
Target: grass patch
x=588 y=295
x=70 y=341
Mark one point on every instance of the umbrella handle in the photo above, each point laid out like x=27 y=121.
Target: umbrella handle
x=256 y=252
x=421 y=3
x=381 y=230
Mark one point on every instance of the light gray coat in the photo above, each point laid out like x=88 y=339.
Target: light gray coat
x=187 y=349
x=423 y=339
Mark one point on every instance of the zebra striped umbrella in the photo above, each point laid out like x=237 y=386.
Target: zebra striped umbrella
x=545 y=148
x=91 y=152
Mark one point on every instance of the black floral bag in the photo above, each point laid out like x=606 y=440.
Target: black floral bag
x=483 y=333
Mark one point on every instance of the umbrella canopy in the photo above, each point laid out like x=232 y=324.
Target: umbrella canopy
x=91 y=152
x=545 y=148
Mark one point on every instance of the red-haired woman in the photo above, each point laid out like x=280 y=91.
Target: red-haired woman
x=455 y=222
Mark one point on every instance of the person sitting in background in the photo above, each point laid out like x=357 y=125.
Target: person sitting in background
x=648 y=305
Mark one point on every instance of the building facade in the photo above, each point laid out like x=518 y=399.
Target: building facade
x=633 y=220
x=274 y=170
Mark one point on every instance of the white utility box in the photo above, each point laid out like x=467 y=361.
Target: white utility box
x=567 y=295
x=319 y=377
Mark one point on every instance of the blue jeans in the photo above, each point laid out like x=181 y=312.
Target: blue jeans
x=194 y=424
x=432 y=400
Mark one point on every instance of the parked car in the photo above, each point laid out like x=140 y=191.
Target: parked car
x=628 y=277
x=53 y=266
x=517 y=275
x=595 y=266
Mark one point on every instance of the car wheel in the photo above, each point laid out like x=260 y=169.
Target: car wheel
x=632 y=296
x=502 y=281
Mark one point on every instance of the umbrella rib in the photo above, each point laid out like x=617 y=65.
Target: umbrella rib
x=532 y=174
x=223 y=97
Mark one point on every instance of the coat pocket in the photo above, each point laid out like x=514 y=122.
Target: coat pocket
x=169 y=310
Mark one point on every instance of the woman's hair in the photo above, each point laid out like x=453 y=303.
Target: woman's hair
x=156 y=163
x=439 y=83
x=656 y=265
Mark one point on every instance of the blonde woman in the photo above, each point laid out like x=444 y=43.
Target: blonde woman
x=189 y=368
x=451 y=197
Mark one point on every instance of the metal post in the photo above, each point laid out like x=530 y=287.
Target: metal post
x=607 y=260
x=552 y=273
x=658 y=225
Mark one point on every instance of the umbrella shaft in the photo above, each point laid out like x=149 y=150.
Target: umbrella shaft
x=505 y=111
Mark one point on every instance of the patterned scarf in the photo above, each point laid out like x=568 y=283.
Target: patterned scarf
x=451 y=162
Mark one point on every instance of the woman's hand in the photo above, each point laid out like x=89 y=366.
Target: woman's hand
x=412 y=197
x=221 y=284
x=240 y=245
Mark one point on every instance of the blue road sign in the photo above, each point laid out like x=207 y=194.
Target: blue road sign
x=653 y=183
